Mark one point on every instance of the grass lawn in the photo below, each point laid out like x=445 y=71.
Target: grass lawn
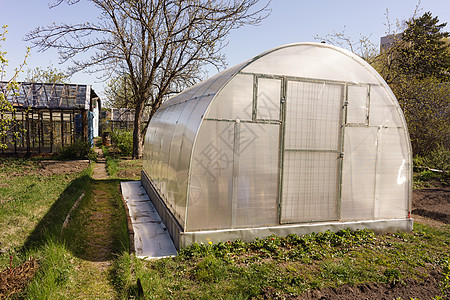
x=89 y=258
x=74 y=262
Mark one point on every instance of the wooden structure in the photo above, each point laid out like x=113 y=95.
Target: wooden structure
x=49 y=116
x=121 y=119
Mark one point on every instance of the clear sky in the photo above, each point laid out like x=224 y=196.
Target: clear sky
x=290 y=21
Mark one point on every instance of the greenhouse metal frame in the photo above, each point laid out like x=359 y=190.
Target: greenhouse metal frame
x=305 y=137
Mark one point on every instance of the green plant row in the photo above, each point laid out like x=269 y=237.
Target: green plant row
x=314 y=246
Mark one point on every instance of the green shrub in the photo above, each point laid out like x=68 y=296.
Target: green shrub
x=78 y=150
x=438 y=159
x=123 y=140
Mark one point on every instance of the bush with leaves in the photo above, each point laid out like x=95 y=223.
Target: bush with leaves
x=123 y=140
x=432 y=170
x=438 y=159
x=80 y=149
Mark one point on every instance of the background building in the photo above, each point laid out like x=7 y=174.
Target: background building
x=50 y=116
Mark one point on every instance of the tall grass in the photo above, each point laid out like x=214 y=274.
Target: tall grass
x=56 y=270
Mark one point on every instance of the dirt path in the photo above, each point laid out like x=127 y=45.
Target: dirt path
x=100 y=166
x=98 y=236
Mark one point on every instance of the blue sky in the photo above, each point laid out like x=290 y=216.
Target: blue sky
x=290 y=21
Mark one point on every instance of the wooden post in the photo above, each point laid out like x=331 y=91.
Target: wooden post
x=39 y=125
x=42 y=132
x=15 y=139
x=27 y=136
x=62 y=129
x=51 y=131
x=33 y=128
x=84 y=123
x=71 y=127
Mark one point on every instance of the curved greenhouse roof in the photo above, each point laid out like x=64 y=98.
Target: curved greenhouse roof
x=301 y=138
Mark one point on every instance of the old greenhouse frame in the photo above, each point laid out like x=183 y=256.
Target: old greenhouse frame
x=49 y=116
x=305 y=137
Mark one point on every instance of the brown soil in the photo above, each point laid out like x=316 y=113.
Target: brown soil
x=13 y=280
x=432 y=204
x=52 y=167
x=409 y=289
x=55 y=167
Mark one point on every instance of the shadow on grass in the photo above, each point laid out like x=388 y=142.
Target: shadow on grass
x=96 y=229
x=49 y=227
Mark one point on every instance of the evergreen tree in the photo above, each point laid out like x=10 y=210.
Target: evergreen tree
x=424 y=51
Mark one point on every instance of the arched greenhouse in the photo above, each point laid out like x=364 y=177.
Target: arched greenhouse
x=304 y=137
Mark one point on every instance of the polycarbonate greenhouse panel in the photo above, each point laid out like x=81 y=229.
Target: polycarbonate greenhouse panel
x=268 y=99
x=235 y=101
x=210 y=189
x=236 y=167
x=392 y=173
x=310 y=61
x=256 y=172
x=383 y=110
x=312 y=151
x=313 y=116
x=166 y=139
x=358 y=196
x=179 y=160
x=310 y=187
x=358 y=104
x=170 y=145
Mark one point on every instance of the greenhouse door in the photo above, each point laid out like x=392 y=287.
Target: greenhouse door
x=312 y=151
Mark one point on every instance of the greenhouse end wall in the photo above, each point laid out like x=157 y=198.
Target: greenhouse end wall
x=304 y=137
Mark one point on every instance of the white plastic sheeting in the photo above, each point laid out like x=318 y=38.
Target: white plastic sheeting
x=305 y=132
x=151 y=239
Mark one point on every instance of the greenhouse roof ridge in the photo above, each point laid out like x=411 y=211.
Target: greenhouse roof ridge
x=236 y=69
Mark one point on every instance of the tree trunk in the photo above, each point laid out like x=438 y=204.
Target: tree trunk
x=138 y=145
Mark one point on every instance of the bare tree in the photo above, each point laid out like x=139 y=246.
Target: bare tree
x=118 y=92
x=162 y=44
x=363 y=46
